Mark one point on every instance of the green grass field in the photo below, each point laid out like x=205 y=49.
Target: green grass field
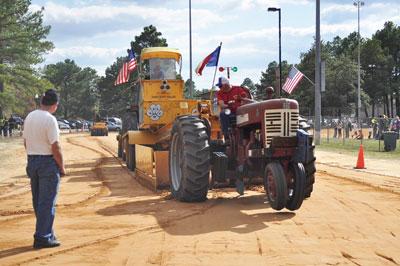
x=371 y=147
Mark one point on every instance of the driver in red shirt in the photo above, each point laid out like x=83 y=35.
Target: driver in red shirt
x=228 y=97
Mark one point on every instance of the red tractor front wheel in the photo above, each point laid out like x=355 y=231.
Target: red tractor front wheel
x=275 y=185
x=296 y=186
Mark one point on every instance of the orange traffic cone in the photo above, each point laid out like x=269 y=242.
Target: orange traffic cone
x=360 y=160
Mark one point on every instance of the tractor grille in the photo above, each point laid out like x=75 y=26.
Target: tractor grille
x=280 y=123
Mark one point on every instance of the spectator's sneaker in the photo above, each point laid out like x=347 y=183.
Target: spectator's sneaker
x=45 y=244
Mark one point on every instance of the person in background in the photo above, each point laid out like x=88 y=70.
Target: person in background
x=335 y=128
x=5 y=128
x=381 y=127
x=1 y=125
x=348 y=127
x=339 y=129
x=45 y=166
x=374 y=123
x=386 y=123
x=396 y=125
x=11 y=125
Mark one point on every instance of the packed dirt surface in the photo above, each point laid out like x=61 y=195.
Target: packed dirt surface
x=104 y=217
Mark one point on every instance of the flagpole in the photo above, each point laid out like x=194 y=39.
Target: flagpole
x=309 y=80
x=216 y=66
x=190 y=48
x=304 y=75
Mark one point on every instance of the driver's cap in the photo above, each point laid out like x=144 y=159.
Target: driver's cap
x=222 y=81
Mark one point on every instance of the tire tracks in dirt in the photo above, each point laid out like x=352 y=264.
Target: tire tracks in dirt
x=154 y=228
x=91 y=198
x=104 y=192
x=360 y=182
x=387 y=188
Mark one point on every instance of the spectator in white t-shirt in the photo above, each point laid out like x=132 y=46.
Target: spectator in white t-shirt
x=45 y=166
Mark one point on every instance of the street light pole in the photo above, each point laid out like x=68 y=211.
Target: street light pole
x=358 y=4
x=274 y=9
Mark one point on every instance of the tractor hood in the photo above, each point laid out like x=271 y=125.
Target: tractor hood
x=254 y=112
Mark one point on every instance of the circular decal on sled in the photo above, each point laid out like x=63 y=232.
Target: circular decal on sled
x=154 y=112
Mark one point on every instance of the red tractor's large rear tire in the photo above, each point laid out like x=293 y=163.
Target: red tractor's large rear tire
x=275 y=185
x=296 y=186
x=189 y=159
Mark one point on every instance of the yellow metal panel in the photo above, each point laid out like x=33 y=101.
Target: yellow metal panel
x=141 y=137
x=162 y=168
x=160 y=52
x=144 y=159
x=152 y=90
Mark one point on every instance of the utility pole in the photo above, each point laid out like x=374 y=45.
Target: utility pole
x=358 y=4
x=317 y=122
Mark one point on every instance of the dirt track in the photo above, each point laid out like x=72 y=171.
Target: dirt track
x=105 y=217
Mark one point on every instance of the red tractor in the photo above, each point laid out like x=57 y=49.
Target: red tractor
x=265 y=141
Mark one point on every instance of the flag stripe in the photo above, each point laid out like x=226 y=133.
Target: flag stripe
x=292 y=80
x=126 y=70
x=210 y=60
x=202 y=64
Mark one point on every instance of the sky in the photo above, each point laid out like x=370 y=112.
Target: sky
x=95 y=32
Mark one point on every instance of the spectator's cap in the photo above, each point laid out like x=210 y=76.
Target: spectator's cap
x=222 y=81
x=50 y=97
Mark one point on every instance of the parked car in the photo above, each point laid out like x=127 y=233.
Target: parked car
x=62 y=125
x=71 y=124
x=78 y=124
x=17 y=119
x=115 y=120
x=113 y=127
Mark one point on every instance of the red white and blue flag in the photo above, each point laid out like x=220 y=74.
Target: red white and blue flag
x=210 y=60
x=292 y=80
x=126 y=69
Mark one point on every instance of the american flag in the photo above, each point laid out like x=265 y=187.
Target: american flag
x=292 y=80
x=126 y=69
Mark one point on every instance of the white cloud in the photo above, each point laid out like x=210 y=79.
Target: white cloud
x=337 y=8
x=86 y=51
x=246 y=50
x=112 y=34
x=350 y=8
x=58 y=13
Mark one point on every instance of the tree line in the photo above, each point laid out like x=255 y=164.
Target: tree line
x=23 y=44
x=380 y=74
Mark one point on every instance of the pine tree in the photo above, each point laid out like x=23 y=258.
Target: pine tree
x=22 y=44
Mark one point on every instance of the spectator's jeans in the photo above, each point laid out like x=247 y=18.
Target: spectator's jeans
x=5 y=131
x=224 y=120
x=45 y=178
